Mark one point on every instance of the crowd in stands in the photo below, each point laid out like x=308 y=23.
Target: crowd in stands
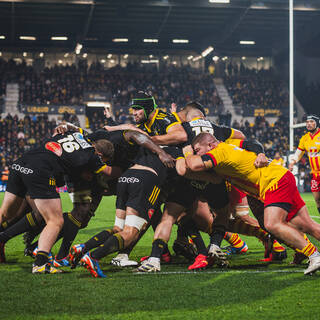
x=68 y=84
x=258 y=88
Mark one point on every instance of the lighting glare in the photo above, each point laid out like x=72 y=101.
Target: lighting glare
x=27 y=38
x=112 y=61
x=197 y=58
x=151 y=40
x=180 y=41
x=59 y=38
x=41 y=54
x=2 y=37
x=243 y=58
x=78 y=48
x=120 y=40
x=103 y=61
x=126 y=56
x=24 y=54
x=207 y=51
x=0 y=54
x=66 y=55
x=225 y=58
x=190 y=57
x=60 y=61
x=165 y=57
x=215 y=58
x=84 y=55
x=149 y=61
x=250 y=42
x=219 y=1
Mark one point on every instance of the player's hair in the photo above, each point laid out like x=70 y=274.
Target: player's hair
x=203 y=137
x=195 y=105
x=105 y=147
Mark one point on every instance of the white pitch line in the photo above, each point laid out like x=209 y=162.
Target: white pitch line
x=218 y=271
x=315 y=217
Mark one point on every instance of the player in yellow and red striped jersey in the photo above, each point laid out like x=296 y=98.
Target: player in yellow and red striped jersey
x=310 y=143
x=285 y=213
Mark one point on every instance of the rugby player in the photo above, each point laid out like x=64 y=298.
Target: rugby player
x=310 y=143
x=285 y=213
x=39 y=171
x=137 y=199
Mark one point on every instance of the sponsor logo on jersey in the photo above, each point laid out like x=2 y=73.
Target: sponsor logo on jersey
x=81 y=140
x=23 y=170
x=128 y=180
x=54 y=147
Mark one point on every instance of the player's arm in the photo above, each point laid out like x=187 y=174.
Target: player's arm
x=175 y=135
x=124 y=126
x=237 y=134
x=195 y=162
x=66 y=126
x=145 y=141
x=253 y=146
x=296 y=158
x=110 y=171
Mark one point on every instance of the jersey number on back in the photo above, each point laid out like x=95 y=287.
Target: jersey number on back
x=198 y=130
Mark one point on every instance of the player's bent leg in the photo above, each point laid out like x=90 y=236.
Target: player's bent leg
x=10 y=206
x=51 y=211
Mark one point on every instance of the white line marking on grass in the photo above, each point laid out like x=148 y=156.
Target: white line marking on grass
x=315 y=217
x=220 y=271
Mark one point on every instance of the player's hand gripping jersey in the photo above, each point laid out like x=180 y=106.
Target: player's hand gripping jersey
x=236 y=165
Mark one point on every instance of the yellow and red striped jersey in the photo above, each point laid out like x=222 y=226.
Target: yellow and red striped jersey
x=236 y=165
x=310 y=143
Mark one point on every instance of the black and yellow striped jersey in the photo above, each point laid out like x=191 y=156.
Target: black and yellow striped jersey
x=160 y=123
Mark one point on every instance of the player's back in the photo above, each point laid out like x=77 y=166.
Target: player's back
x=237 y=166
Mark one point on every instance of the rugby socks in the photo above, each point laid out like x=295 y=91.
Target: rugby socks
x=239 y=226
x=217 y=236
x=319 y=209
x=309 y=250
x=42 y=258
x=234 y=239
x=113 y=244
x=26 y=223
x=277 y=247
x=198 y=242
x=70 y=230
x=158 y=245
x=98 y=240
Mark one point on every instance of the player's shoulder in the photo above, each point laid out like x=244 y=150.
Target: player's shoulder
x=166 y=116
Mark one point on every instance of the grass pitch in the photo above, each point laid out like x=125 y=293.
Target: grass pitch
x=250 y=289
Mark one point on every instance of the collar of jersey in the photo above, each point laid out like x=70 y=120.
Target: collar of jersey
x=196 y=118
x=149 y=124
x=313 y=135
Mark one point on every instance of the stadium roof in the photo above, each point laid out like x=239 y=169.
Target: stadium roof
x=96 y=23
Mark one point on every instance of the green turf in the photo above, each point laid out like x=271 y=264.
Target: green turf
x=248 y=290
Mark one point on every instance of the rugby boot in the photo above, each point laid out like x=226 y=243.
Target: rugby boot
x=185 y=248
x=165 y=258
x=76 y=253
x=233 y=250
x=2 y=253
x=122 y=260
x=199 y=263
x=92 y=265
x=298 y=258
x=216 y=255
x=61 y=263
x=150 y=265
x=314 y=265
x=46 y=268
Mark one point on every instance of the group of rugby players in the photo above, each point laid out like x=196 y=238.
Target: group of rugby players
x=204 y=174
